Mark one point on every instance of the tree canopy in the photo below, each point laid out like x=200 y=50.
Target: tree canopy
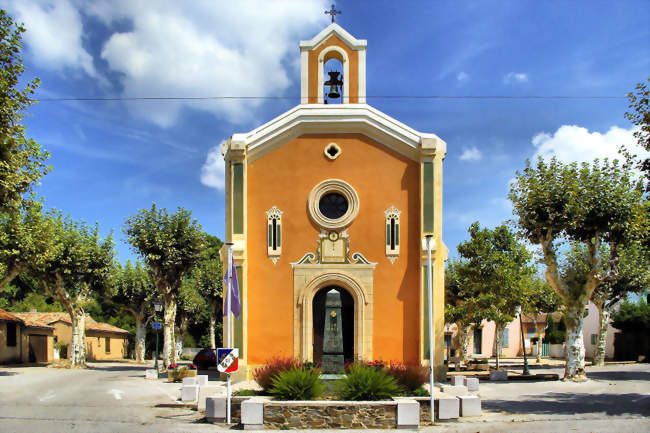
x=639 y=115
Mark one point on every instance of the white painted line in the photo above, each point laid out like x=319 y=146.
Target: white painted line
x=48 y=396
x=116 y=393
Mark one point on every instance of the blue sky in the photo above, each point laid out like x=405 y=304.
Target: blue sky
x=112 y=158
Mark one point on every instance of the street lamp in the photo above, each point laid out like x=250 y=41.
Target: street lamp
x=526 y=372
x=158 y=306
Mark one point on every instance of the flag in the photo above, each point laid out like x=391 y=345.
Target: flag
x=232 y=286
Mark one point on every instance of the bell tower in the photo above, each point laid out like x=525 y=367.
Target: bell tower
x=333 y=43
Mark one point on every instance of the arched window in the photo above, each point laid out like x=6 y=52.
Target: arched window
x=274 y=233
x=392 y=233
x=333 y=81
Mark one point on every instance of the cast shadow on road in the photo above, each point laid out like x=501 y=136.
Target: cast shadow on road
x=8 y=373
x=575 y=403
x=118 y=368
x=619 y=375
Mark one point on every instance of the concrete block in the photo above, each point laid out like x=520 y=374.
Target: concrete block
x=151 y=373
x=458 y=380
x=447 y=407
x=472 y=384
x=408 y=413
x=201 y=379
x=215 y=409
x=453 y=391
x=190 y=392
x=499 y=375
x=252 y=414
x=470 y=405
x=209 y=391
x=190 y=381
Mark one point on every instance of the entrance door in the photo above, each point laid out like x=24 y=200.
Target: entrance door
x=478 y=340
x=347 y=321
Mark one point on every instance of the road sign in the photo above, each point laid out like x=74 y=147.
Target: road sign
x=156 y=325
x=227 y=359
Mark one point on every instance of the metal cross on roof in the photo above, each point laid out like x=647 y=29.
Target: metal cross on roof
x=333 y=12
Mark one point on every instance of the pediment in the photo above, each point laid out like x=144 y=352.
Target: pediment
x=340 y=32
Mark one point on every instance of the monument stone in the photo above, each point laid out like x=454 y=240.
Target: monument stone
x=332 y=360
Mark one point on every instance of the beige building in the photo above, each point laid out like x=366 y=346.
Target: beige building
x=23 y=341
x=103 y=341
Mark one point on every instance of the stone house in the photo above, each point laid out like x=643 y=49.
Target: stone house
x=23 y=341
x=103 y=341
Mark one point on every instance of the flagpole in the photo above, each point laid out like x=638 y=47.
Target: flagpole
x=229 y=335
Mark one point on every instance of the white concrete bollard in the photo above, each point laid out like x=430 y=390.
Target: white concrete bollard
x=472 y=384
x=202 y=379
x=151 y=373
x=470 y=405
x=190 y=393
x=458 y=380
x=252 y=414
x=190 y=380
x=447 y=408
x=215 y=409
x=408 y=413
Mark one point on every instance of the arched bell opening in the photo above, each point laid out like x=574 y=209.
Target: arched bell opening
x=347 y=322
x=333 y=89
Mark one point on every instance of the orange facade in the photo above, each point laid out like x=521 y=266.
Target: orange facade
x=353 y=57
x=382 y=178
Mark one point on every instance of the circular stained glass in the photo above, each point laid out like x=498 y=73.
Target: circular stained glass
x=333 y=205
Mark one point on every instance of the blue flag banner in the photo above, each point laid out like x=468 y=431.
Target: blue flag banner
x=232 y=286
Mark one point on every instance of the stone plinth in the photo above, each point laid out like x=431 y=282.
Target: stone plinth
x=408 y=413
x=151 y=373
x=252 y=414
x=470 y=405
x=190 y=393
x=447 y=408
x=472 y=384
x=458 y=380
x=215 y=409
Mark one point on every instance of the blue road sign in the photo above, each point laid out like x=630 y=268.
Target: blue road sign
x=156 y=325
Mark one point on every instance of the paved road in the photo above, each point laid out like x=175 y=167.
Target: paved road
x=114 y=397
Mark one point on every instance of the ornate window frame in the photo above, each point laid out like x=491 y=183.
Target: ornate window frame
x=336 y=154
x=274 y=233
x=338 y=186
x=392 y=233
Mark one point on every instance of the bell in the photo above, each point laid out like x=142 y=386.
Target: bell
x=334 y=84
x=334 y=92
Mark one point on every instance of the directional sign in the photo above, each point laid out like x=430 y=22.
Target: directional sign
x=227 y=359
x=156 y=325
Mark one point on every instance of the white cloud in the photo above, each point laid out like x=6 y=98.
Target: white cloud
x=574 y=143
x=213 y=170
x=515 y=77
x=241 y=48
x=54 y=34
x=471 y=154
x=462 y=77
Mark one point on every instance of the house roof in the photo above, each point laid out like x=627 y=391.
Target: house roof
x=44 y=320
x=8 y=317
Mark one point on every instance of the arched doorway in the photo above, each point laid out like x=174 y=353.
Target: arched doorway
x=347 y=319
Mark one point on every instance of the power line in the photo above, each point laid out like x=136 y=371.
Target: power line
x=211 y=98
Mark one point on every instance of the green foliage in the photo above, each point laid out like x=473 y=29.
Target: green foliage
x=461 y=298
x=366 y=383
x=248 y=393
x=639 y=115
x=272 y=368
x=555 y=332
x=22 y=161
x=36 y=301
x=297 y=384
x=632 y=317
x=420 y=392
x=410 y=377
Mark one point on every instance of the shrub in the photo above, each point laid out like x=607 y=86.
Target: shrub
x=409 y=376
x=274 y=366
x=297 y=384
x=365 y=382
x=421 y=392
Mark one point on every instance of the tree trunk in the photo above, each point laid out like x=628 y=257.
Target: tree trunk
x=601 y=340
x=213 y=323
x=180 y=336
x=78 y=343
x=140 y=338
x=538 y=343
x=169 y=354
x=498 y=330
x=575 y=348
x=10 y=273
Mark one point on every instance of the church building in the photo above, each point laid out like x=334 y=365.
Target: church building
x=335 y=194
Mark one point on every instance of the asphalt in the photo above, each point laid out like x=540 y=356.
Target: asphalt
x=115 y=397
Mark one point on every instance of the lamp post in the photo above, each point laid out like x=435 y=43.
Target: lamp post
x=157 y=305
x=526 y=372
x=430 y=296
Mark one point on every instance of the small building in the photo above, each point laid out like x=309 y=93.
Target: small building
x=103 y=341
x=24 y=341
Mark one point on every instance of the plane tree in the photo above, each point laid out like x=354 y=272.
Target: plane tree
x=591 y=204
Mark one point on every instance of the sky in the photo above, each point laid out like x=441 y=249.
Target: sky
x=112 y=158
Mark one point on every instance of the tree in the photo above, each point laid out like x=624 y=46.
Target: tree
x=639 y=115
x=25 y=240
x=461 y=306
x=22 y=161
x=190 y=305
x=591 y=204
x=170 y=246
x=134 y=291
x=541 y=300
x=80 y=264
x=208 y=280
x=498 y=269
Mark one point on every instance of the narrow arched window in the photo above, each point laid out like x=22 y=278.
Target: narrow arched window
x=274 y=233
x=392 y=233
